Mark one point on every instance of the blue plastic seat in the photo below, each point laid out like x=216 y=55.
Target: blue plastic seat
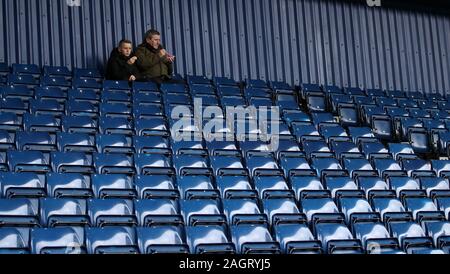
x=10 y=122
x=151 y=144
x=402 y=184
x=28 y=161
x=355 y=207
x=57 y=71
x=86 y=83
x=296 y=238
x=27 y=80
x=79 y=124
x=47 y=107
x=162 y=240
x=191 y=165
x=111 y=240
x=26 y=69
x=14 y=105
x=20 y=92
x=55 y=81
x=271 y=186
x=111 y=212
x=14 y=240
x=262 y=163
x=22 y=185
x=84 y=95
x=82 y=109
x=422 y=208
x=40 y=141
x=147 y=111
x=338 y=185
x=41 y=123
x=336 y=238
x=387 y=206
x=19 y=212
x=209 y=240
x=64 y=240
x=202 y=212
x=243 y=211
x=116 y=85
x=113 y=164
x=158 y=212
x=234 y=185
x=256 y=83
x=374 y=237
x=225 y=164
x=254 y=239
x=282 y=211
x=115 y=110
x=114 y=143
x=224 y=81
x=69 y=185
x=72 y=162
x=152 y=126
x=173 y=88
x=52 y=93
x=318 y=204
x=153 y=164
x=7 y=140
x=66 y=212
x=156 y=186
x=110 y=125
x=75 y=142
x=113 y=186
x=86 y=73
x=409 y=234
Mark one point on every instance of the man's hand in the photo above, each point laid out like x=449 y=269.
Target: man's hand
x=132 y=60
x=162 y=52
x=171 y=58
x=132 y=78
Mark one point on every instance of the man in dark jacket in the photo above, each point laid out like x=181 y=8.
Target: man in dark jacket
x=153 y=61
x=122 y=65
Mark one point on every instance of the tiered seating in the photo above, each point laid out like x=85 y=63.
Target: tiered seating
x=93 y=166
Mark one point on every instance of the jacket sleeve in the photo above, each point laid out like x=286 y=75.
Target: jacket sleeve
x=147 y=61
x=116 y=71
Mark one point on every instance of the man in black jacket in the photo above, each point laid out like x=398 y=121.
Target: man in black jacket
x=121 y=64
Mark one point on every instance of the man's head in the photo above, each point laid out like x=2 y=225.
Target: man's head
x=153 y=38
x=125 y=47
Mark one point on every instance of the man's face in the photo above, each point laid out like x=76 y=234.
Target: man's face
x=154 y=41
x=125 y=49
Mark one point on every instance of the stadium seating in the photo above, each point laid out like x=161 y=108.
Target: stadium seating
x=91 y=166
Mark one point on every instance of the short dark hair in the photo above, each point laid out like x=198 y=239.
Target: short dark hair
x=124 y=41
x=151 y=33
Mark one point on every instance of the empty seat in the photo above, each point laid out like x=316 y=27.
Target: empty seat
x=202 y=212
x=336 y=237
x=111 y=212
x=69 y=185
x=73 y=124
x=26 y=69
x=107 y=186
x=22 y=185
x=113 y=164
x=65 y=240
x=243 y=211
x=14 y=240
x=114 y=143
x=41 y=123
x=109 y=125
x=156 y=186
x=158 y=212
x=148 y=164
x=161 y=240
x=271 y=186
x=28 y=161
x=19 y=212
x=209 y=240
x=111 y=240
x=40 y=141
x=75 y=142
x=72 y=162
x=63 y=212
x=253 y=239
